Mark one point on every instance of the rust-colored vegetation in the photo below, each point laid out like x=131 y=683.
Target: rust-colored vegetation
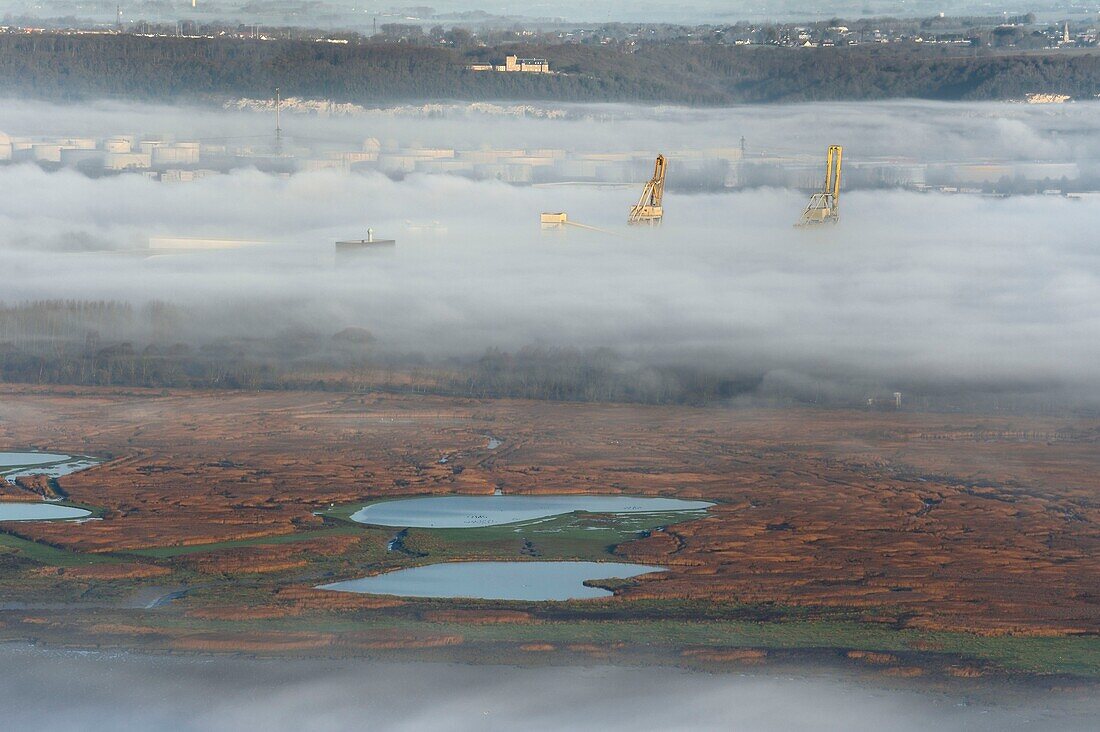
x=982 y=524
x=125 y=570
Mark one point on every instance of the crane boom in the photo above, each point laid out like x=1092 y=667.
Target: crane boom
x=649 y=210
x=824 y=206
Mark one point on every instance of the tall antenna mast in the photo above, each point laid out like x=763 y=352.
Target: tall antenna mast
x=278 y=121
x=118 y=18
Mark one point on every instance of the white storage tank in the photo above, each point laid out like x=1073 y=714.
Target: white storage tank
x=175 y=155
x=354 y=156
x=147 y=146
x=78 y=143
x=429 y=152
x=46 y=152
x=127 y=161
x=78 y=155
x=118 y=144
x=397 y=163
x=314 y=164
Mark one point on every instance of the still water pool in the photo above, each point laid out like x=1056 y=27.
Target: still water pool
x=452 y=512
x=18 y=464
x=496 y=580
x=39 y=512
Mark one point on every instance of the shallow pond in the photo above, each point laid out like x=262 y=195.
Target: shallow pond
x=452 y=512
x=9 y=459
x=496 y=580
x=39 y=512
x=17 y=464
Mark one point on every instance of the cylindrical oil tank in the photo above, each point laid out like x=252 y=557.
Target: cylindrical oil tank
x=118 y=145
x=46 y=152
x=175 y=155
x=78 y=143
x=77 y=155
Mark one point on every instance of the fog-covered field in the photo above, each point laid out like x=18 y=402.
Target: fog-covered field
x=69 y=691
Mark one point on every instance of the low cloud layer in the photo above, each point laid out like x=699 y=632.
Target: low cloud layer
x=69 y=691
x=914 y=130
x=930 y=291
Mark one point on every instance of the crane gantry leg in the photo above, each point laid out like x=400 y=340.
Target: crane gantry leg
x=648 y=210
x=824 y=206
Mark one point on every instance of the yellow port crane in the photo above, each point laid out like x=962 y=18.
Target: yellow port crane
x=648 y=209
x=824 y=206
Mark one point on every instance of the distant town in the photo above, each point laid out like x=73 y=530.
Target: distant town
x=1001 y=31
x=416 y=54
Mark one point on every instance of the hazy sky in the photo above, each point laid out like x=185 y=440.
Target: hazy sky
x=349 y=13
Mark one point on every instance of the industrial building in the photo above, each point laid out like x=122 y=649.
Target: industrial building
x=702 y=168
x=350 y=247
x=515 y=64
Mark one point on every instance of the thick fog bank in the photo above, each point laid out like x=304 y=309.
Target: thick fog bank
x=908 y=287
x=907 y=130
x=63 y=692
x=917 y=292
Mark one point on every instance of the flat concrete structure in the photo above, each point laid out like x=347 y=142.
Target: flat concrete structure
x=362 y=245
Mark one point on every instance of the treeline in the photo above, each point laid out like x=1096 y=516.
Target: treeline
x=592 y=375
x=554 y=374
x=75 y=67
x=109 y=343
x=160 y=345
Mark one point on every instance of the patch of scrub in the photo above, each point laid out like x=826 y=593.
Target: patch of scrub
x=496 y=580
x=455 y=512
x=39 y=512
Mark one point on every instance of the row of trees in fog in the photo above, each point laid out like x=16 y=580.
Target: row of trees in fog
x=111 y=343
x=552 y=374
x=86 y=66
x=114 y=343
